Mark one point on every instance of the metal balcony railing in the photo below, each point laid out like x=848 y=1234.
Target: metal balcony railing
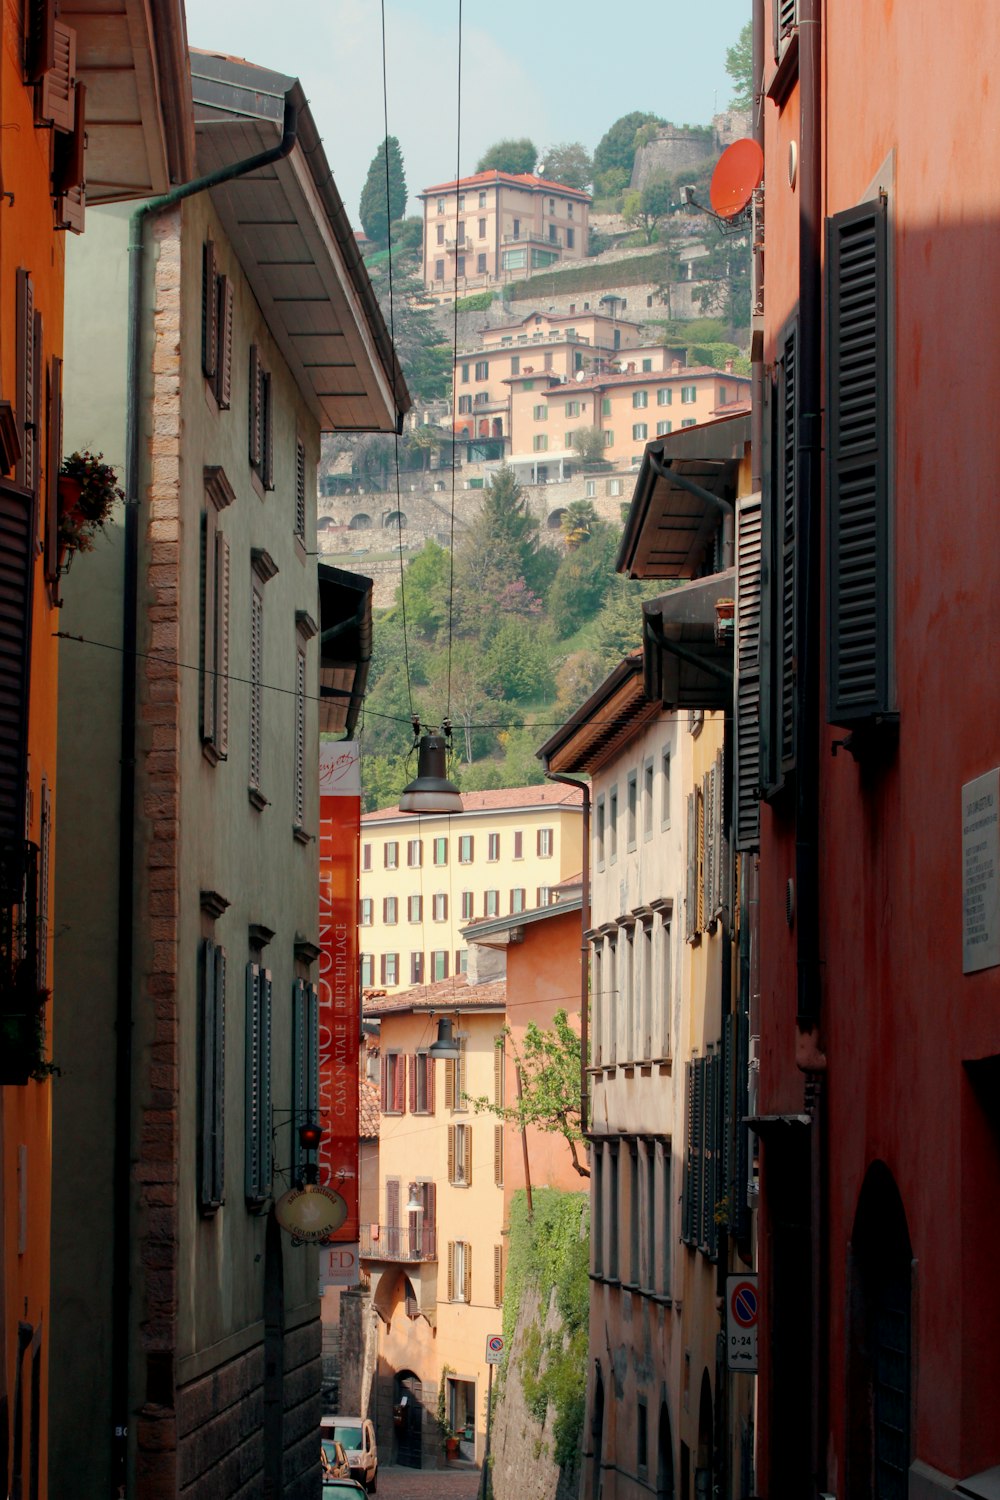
x=398 y=1242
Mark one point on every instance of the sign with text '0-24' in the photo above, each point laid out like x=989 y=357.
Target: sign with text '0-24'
x=741 y=1323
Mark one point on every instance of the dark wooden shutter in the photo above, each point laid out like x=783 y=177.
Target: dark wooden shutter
x=221 y=645
x=208 y=619
x=266 y=1162
x=399 y=1085
x=784 y=18
x=769 y=581
x=58 y=105
x=27 y=383
x=498 y=1155
x=449 y=1083
x=251 y=1145
x=300 y=488
x=746 y=749
x=498 y=1051
x=710 y=1137
x=467 y=1287
x=69 y=173
x=300 y=1064
x=431 y=1066
x=858 y=581
x=384 y=1082
x=413 y=1083
x=687 y=1199
x=40 y=41
x=451 y=1153
x=267 y=431
x=209 y=312
x=691 y=879
x=451 y=1270
x=392 y=1202
x=708 y=849
x=16 y=573
x=785 y=675
x=53 y=460
x=467 y=1155
x=256 y=426
x=224 y=362
x=206 y=1070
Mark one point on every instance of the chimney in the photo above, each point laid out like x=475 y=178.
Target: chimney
x=675 y=368
x=729 y=367
x=631 y=367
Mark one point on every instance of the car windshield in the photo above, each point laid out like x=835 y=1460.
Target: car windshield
x=349 y=1436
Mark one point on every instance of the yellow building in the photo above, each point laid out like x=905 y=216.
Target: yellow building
x=425 y=878
x=495 y=227
x=436 y=1274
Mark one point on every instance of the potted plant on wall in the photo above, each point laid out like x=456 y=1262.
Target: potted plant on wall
x=450 y=1438
x=88 y=490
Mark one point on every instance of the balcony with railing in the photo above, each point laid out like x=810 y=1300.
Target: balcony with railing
x=406 y=1244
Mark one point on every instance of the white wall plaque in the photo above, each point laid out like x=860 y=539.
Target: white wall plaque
x=981 y=872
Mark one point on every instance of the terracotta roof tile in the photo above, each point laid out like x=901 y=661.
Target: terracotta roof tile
x=446 y=994
x=516 y=179
x=369 y=1109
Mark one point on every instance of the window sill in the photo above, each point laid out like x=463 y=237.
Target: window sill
x=257 y=798
x=257 y=483
x=301 y=836
x=211 y=752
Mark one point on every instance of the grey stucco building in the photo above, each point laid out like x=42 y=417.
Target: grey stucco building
x=186 y=1334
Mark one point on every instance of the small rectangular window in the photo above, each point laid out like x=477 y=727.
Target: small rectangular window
x=664 y=396
x=590 y=488
x=640 y=398
x=439 y=270
x=441 y=851
x=482 y=369
x=468 y=906
x=543 y=895
x=439 y=964
x=211 y=1091
x=647 y=799
x=366 y=856
x=261 y=421
x=518 y=844
x=493 y=847
x=599 y=826
x=665 y=788
x=640 y=431
x=465 y=848
x=390 y=855
x=689 y=394
x=663 y=428
x=540 y=413
x=480 y=265
x=545 y=843
x=367 y=970
x=416 y=968
x=482 y=229
x=366 y=911
x=415 y=908
x=517 y=900
x=414 y=853
x=613 y=825
x=631 y=807
x=299 y=789
x=390 y=910
x=492 y=903
x=439 y=907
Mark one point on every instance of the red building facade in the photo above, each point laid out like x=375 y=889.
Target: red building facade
x=878 y=1109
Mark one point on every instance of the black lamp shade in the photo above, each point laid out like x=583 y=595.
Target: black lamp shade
x=446 y=1045
x=431 y=791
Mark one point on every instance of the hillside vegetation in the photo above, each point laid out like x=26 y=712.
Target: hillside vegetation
x=506 y=637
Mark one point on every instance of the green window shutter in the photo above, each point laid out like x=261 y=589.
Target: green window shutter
x=698 y=1152
x=209 y=313
x=710 y=1195
x=691 y=886
x=708 y=863
x=858 y=580
x=687 y=1200
x=251 y=1122
x=207 y=1198
x=219 y=1091
x=266 y=1156
x=768 y=591
x=747 y=739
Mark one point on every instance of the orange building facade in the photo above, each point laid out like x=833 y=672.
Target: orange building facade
x=53 y=67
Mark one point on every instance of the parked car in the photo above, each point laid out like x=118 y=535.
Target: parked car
x=357 y=1437
x=342 y=1489
x=334 y=1460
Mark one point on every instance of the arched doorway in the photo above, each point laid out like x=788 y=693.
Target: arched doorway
x=703 y=1476
x=597 y=1434
x=408 y=1419
x=880 y=1336
x=360 y=522
x=664 y=1454
x=394 y=518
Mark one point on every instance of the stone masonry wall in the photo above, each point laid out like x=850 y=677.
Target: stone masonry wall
x=156 y=1170
x=523 y=1466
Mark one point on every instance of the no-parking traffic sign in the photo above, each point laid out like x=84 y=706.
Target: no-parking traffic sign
x=741 y=1323
x=494 y=1349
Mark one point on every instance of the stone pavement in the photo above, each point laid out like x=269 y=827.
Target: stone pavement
x=398 y=1483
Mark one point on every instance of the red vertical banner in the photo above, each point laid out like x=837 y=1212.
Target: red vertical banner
x=339 y=976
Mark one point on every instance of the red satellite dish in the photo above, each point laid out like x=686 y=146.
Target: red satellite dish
x=737 y=173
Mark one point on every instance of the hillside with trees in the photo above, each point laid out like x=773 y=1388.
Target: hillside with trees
x=506 y=637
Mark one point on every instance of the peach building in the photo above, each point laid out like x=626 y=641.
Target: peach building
x=496 y=227
x=425 y=878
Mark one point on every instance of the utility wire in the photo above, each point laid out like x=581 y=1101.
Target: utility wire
x=454 y=358
x=395 y=362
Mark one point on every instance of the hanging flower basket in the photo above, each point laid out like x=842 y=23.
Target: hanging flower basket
x=22 y=1034
x=88 y=490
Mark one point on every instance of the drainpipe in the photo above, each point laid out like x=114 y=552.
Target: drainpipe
x=584 y=943
x=121 y=1253
x=809 y=1054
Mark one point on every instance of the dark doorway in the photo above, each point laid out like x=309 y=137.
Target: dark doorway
x=706 y=1441
x=664 y=1454
x=879 y=1353
x=274 y=1361
x=785 y=1179
x=408 y=1417
x=597 y=1434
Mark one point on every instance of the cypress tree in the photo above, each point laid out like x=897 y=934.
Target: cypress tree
x=375 y=217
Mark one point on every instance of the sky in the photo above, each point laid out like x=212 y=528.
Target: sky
x=554 y=73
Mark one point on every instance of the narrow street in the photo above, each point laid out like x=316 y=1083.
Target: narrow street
x=395 y=1482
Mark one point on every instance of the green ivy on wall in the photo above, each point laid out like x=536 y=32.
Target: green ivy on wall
x=551 y=1250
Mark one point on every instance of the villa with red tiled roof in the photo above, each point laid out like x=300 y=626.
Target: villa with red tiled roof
x=494 y=227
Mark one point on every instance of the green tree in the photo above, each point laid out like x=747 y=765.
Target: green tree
x=724 y=277
x=425 y=590
x=578 y=524
x=383 y=197
x=739 y=66
x=569 y=163
x=426 y=359
x=618 y=626
x=500 y=547
x=616 y=148
x=646 y=210
x=517 y=664
x=549 y=1064
x=588 y=442
x=512 y=156
x=584 y=578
